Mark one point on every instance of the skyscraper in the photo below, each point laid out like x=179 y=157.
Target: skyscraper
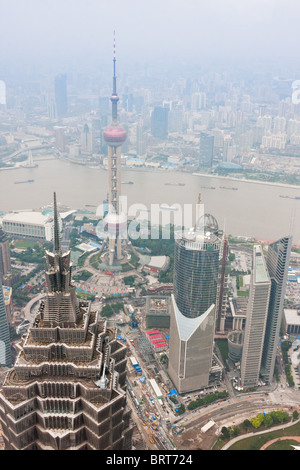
x=5 y=264
x=206 y=150
x=193 y=314
x=66 y=390
x=159 y=122
x=257 y=310
x=5 y=346
x=114 y=136
x=277 y=263
x=60 y=89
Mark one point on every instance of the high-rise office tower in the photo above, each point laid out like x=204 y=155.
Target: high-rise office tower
x=5 y=346
x=159 y=122
x=175 y=117
x=140 y=140
x=60 y=90
x=223 y=287
x=66 y=390
x=114 y=136
x=5 y=264
x=278 y=264
x=87 y=139
x=206 y=150
x=256 y=320
x=192 y=326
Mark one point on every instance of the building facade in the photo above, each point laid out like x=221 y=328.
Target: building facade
x=5 y=264
x=256 y=320
x=206 y=150
x=5 y=346
x=33 y=225
x=193 y=312
x=60 y=90
x=66 y=390
x=159 y=122
x=278 y=264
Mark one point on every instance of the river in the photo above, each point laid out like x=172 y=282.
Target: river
x=254 y=209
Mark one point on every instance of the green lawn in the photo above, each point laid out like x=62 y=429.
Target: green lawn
x=256 y=442
x=283 y=445
x=25 y=244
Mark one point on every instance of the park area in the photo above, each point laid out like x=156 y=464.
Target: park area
x=281 y=439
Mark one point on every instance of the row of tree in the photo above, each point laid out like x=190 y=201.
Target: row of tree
x=261 y=419
x=207 y=399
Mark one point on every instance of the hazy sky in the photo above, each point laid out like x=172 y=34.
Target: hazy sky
x=82 y=30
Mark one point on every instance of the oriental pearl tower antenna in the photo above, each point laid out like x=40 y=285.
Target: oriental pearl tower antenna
x=114 y=135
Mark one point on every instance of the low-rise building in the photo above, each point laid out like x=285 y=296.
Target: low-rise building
x=291 y=321
x=33 y=225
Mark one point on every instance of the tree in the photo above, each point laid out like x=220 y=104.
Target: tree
x=225 y=433
x=256 y=422
x=295 y=415
x=246 y=424
x=268 y=420
x=235 y=431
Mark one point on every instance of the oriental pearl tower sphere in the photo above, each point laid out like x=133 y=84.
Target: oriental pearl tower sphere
x=114 y=135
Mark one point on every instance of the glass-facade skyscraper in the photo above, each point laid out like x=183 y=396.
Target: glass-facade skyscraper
x=206 y=149
x=61 y=100
x=193 y=314
x=159 y=122
x=277 y=263
x=196 y=267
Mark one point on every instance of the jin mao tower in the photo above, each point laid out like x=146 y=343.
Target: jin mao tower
x=66 y=390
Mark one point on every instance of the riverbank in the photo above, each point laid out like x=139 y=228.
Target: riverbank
x=244 y=180
x=206 y=175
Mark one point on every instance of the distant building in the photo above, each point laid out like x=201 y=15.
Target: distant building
x=256 y=320
x=60 y=139
x=159 y=122
x=60 y=89
x=206 y=150
x=276 y=141
x=141 y=146
x=5 y=264
x=175 y=118
x=87 y=140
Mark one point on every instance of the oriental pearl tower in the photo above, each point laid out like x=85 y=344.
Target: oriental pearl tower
x=114 y=135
